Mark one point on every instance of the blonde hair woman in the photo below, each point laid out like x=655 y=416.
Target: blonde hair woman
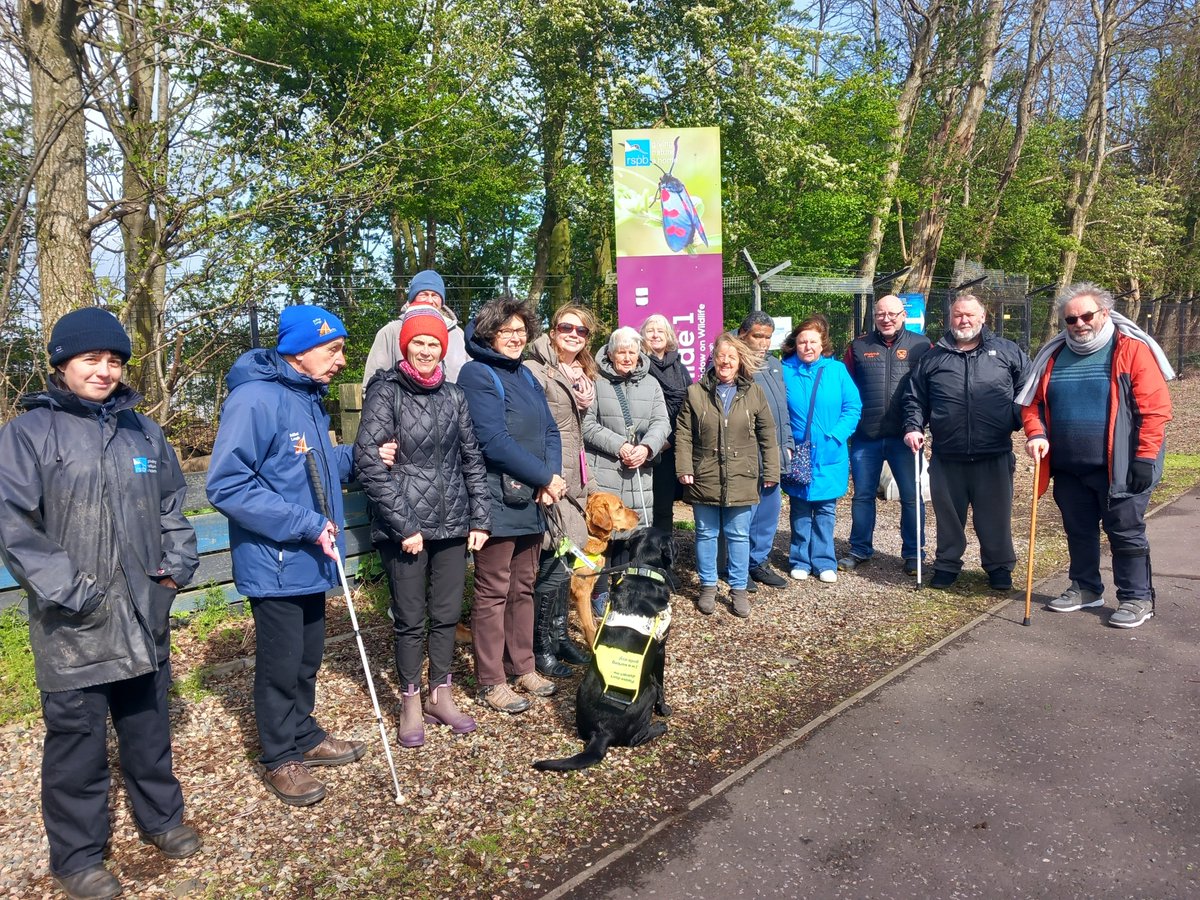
x=727 y=443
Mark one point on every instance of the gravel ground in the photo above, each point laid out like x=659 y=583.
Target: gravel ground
x=477 y=820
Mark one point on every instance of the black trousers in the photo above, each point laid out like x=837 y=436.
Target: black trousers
x=1085 y=506
x=290 y=643
x=444 y=563
x=666 y=490
x=75 y=775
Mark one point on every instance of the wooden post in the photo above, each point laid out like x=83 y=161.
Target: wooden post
x=350 y=398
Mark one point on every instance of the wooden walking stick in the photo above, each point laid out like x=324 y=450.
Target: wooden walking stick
x=1037 y=477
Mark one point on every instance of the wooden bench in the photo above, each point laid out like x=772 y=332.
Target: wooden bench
x=212 y=542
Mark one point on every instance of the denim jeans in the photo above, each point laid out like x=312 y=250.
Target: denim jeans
x=866 y=464
x=812 y=535
x=764 y=522
x=734 y=523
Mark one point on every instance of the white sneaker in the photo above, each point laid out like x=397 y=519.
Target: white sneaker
x=829 y=576
x=799 y=574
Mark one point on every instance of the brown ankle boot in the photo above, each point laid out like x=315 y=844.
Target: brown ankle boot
x=441 y=710
x=411 y=732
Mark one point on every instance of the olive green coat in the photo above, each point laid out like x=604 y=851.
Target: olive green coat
x=728 y=456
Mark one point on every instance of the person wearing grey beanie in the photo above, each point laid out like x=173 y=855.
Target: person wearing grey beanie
x=425 y=288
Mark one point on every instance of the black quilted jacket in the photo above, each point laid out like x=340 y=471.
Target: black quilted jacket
x=438 y=486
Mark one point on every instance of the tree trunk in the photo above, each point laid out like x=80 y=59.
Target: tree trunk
x=931 y=226
x=64 y=249
x=1090 y=146
x=140 y=124
x=1034 y=63
x=553 y=150
x=906 y=104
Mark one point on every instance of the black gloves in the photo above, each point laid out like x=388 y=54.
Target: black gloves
x=1141 y=474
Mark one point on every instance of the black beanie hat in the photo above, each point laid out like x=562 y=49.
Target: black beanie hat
x=86 y=330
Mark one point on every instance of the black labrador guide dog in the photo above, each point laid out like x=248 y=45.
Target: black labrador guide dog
x=623 y=686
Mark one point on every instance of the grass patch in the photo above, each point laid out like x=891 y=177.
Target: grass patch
x=1181 y=471
x=214 y=613
x=193 y=686
x=19 y=697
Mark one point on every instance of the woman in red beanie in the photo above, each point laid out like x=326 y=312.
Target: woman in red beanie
x=430 y=509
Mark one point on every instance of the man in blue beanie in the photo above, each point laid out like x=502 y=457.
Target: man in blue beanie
x=426 y=288
x=283 y=546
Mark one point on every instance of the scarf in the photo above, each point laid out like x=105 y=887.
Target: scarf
x=1119 y=323
x=1098 y=342
x=582 y=387
x=429 y=382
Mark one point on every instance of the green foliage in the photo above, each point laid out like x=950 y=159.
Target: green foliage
x=19 y=697
x=193 y=686
x=213 y=612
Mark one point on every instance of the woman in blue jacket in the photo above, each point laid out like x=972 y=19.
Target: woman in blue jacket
x=836 y=411
x=283 y=547
x=522 y=451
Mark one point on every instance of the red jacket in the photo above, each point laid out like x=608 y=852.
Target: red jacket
x=1139 y=408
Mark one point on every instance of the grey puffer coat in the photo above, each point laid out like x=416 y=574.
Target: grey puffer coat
x=543 y=363
x=604 y=431
x=91 y=519
x=438 y=484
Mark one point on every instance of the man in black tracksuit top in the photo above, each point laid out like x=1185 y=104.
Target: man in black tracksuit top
x=964 y=389
x=881 y=362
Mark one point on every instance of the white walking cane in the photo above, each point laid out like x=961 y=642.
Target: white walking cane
x=315 y=477
x=920 y=509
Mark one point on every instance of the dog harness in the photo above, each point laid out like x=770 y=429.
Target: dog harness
x=620 y=669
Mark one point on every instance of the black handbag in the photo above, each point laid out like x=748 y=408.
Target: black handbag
x=799 y=470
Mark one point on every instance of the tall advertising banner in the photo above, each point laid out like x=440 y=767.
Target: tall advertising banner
x=667 y=197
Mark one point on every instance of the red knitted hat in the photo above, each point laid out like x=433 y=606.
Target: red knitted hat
x=423 y=319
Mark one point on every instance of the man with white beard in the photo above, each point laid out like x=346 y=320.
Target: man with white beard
x=1098 y=397
x=964 y=389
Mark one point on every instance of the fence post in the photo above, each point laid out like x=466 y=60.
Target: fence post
x=252 y=308
x=1181 y=343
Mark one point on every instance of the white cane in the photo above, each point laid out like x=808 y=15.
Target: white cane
x=315 y=477
x=920 y=509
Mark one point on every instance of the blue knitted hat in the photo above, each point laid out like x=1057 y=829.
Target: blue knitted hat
x=426 y=280
x=304 y=327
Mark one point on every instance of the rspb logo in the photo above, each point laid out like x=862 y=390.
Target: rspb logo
x=637 y=152
x=144 y=465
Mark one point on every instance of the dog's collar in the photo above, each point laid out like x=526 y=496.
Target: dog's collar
x=644 y=572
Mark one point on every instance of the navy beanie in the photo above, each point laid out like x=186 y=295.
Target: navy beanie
x=85 y=331
x=426 y=280
x=304 y=327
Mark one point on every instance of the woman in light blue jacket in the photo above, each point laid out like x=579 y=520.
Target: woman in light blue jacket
x=835 y=414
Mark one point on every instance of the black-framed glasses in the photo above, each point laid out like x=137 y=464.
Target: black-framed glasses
x=567 y=328
x=1086 y=317
x=508 y=333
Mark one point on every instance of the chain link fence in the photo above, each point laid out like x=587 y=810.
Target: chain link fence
x=202 y=348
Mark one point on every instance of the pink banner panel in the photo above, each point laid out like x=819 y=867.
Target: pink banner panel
x=686 y=289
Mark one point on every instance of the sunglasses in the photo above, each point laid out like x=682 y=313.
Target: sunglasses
x=567 y=328
x=1086 y=318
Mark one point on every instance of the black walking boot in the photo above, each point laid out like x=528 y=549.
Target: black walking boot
x=563 y=646
x=545 y=638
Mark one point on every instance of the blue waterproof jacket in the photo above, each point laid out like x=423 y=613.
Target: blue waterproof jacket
x=835 y=416
x=259 y=480
x=515 y=430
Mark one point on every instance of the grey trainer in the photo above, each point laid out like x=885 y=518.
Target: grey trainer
x=1074 y=598
x=1131 y=614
